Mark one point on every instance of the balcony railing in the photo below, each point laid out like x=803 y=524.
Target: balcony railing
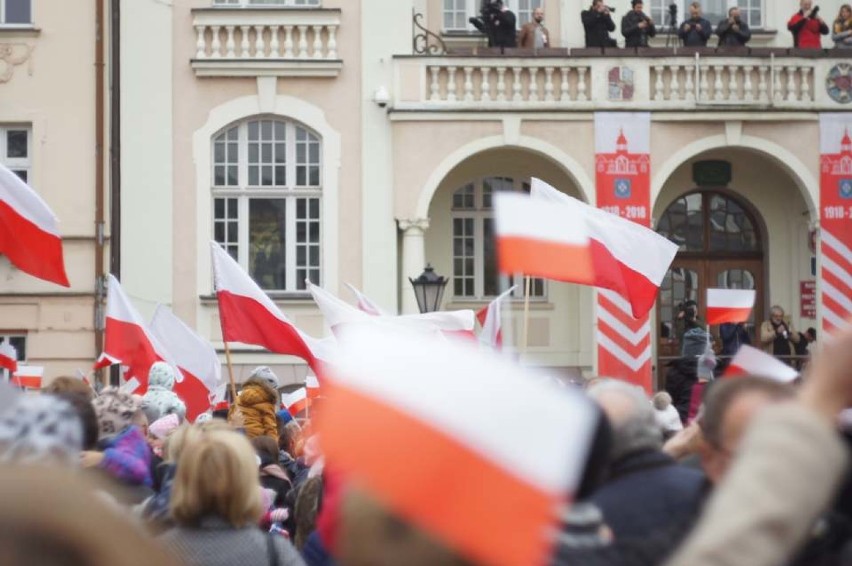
x=239 y=42
x=666 y=80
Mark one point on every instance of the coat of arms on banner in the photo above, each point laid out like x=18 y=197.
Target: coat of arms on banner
x=845 y=188
x=620 y=83
x=838 y=83
x=622 y=188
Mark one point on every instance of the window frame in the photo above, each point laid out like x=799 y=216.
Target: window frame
x=479 y=214
x=17 y=164
x=27 y=24
x=259 y=4
x=290 y=193
x=472 y=9
x=6 y=335
x=658 y=10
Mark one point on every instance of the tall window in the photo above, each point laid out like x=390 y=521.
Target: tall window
x=267 y=191
x=525 y=10
x=457 y=12
x=475 y=273
x=15 y=12
x=264 y=3
x=751 y=11
x=15 y=150
x=19 y=343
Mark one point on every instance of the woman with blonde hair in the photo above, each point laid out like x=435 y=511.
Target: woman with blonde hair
x=841 y=31
x=216 y=505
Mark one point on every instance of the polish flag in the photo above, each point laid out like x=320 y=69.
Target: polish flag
x=312 y=386
x=104 y=361
x=8 y=357
x=297 y=401
x=536 y=238
x=395 y=385
x=248 y=315
x=751 y=361
x=195 y=357
x=127 y=340
x=28 y=377
x=729 y=305
x=628 y=258
x=365 y=304
x=29 y=231
x=490 y=318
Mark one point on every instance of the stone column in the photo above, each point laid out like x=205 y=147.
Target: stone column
x=413 y=259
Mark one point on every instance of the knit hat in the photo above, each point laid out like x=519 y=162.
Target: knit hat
x=115 y=412
x=163 y=426
x=266 y=374
x=694 y=343
x=160 y=400
x=38 y=428
x=284 y=416
x=162 y=375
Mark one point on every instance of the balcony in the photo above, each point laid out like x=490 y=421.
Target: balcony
x=654 y=79
x=252 y=42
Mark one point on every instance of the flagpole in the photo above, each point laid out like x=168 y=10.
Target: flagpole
x=527 y=282
x=231 y=372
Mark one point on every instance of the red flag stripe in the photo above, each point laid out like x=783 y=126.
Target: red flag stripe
x=619 y=277
x=724 y=314
x=552 y=260
x=8 y=363
x=27 y=381
x=194 y=394
x=128 y=342
x=30 y=248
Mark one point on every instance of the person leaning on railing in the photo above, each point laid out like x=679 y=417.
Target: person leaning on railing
x=597 y=22
x=841 y=31
x=695 y=31
x=636 y=26
x=777 y=335
x=733 y=32
x=807 y=27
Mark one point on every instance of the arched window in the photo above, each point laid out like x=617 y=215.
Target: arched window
x=475 y=272
x=710 y=223
x=267 y=198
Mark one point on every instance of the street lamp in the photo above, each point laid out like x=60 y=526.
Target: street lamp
x=429 y=289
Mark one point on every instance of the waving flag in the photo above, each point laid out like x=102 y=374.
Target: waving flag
x=8 y=357
x=365 y=304
x=751 y=361
x=490 y=318
x=297 y=401
x=627 y=257
x=536 y=238
x=729 y=305
x=249 y=316
x=393 y=385
x=28 y=377
x=195 y=358
x=29 y=231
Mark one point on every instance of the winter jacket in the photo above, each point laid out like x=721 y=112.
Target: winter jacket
x=634 y=36
x=733 y=336
x=127 y=458
x=160 y=399
x=730 y=37
x=841 y=33
x=806 y=31
x=680 y=378
x=597 y=26
x=258 y=402
x=694 y=37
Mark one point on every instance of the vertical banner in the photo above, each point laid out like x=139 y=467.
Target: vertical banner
x=835 y=216
x=623 y=187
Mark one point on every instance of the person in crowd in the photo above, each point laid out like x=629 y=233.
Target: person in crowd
x=637 y=27
x=682 y=374
x=272 y=475
x=733 y=335
x=216 y=505
x=65 y=384
x=160 y=430
x=695 y=31
x=306 y=510
x=498 y=24
x=291 y=447
x=42 y=429
x=807 y=26
x=733 y=31
x=645 y=491
x=667 y=417
x=82 y=405
x=257 y=403
x=686 y=319
x=841 y=30
x=777 y=336
x=160 y=399
x=533 y=34
x=597 y=23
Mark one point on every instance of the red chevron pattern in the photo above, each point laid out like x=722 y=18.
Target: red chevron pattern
x=836 y=284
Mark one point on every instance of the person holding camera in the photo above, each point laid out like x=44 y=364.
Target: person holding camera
x=777 y=335
x=497 y=22
x=597 y=22
x=807 y=27
x=695 y=31
x=841 y=32
x=636 y=27
x=733 y=32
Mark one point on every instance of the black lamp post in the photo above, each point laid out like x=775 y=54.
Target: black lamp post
x=429 y=289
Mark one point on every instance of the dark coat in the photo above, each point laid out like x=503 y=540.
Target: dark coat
x=647 y=493
x=729 y=37
x=634 y=36
x=680 y=378
x=694 y=37
x=503 y=32
x=597 y=28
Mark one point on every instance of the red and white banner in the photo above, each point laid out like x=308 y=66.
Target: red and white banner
x=29 y=231
x=754 y=362
x=835 y=280
x=8 y=357
x=622 y=186
x=28 y=377
x=729 y=305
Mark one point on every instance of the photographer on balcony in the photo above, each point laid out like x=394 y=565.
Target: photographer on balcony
x=597 y=22
x=695 y=31
x=733 y=32
x=497 y=22
x=636 y=27
x=807 y=27
x=841 y=32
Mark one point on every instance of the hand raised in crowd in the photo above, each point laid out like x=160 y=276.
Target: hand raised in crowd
x=685 y=442
x=828 y=383
x=90 y=458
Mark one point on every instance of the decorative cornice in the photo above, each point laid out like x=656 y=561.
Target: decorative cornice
x=413 y=224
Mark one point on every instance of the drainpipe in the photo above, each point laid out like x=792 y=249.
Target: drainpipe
x=99 y=176
x=115 y=150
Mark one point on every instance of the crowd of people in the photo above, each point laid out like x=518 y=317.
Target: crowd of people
x=637 y=28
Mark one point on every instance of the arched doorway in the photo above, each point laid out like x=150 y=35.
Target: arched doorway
x=721 y=246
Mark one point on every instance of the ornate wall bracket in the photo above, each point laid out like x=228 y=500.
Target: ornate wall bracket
x=423 y=41
x=11 y=56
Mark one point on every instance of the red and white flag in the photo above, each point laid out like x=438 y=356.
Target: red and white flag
x=490 y=318
x=536 y=238
x=8 y=357
x=29 y=231
x=729 y=305
x=195 y=358
x=312 y=385
x=436 y=401
x=627 y=258
x=127 y=339
x=751 y=361
x=248 y=315
x=104 y=361
x=297 y=401
x=28 y=377
x=365 y=304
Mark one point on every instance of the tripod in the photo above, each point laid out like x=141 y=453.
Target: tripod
x=671 y=36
